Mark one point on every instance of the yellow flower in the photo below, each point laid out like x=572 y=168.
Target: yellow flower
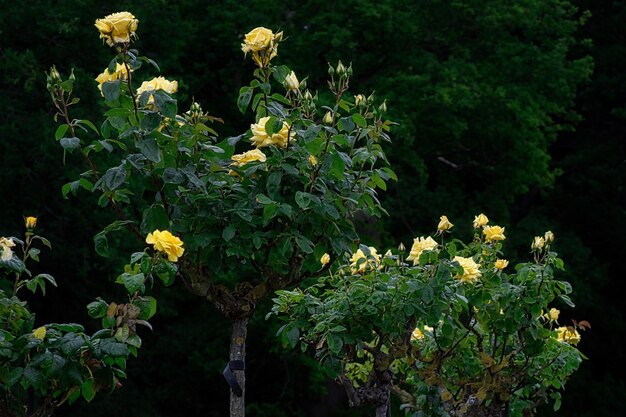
x=568 y=335
x=119 y=74
x=325 y=259
x=247 y=157
x=40 y=333
x=419 y=334
x=30 y=222
x=493 y=233
x=261 y=138
x=263 y=44
x=553 y=314
x=291 y=82
x=471 y=270
x=117 y=27
x=370 y=262
x=328 y=118
x=5 y=249
x=480 y=221
x=157 y=83
x=444 y=224
x=538 y=243
x=548 y=237
x=501 y=264
x=312 y=160
x=166 y=242
x=420 y=244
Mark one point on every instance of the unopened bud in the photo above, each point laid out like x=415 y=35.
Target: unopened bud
x=383 y=107
x=340 y=69
x=308 y=96
x=291 y=82
x=349 y=70
x=359 y=100
x=549 y=237
x=331 y=70
x=401 y=248
x=54 y=75
x=72 y=77
x=328 y=118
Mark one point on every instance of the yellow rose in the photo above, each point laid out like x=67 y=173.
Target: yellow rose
x=359 y=100
x=312 y=160
x=420 y=244
x=165 y=242
x=501 y=264
x=325 y=259
x=261 y=138
x=247 y=157
x=538 y=243
x=30 y=222
x=548 y=237
x=117 y=27
x=119 y=74
x=471 y=270
x=493 y=233
x=568 y=335
x=5 y=249
x=419 y=334
x=328 y=118
x=480 y=221
x=291 y=82
x=444 y=224
x=263 y=44
x=40 y=333
x=157 y=83
x=370 y=262
x=553 y=314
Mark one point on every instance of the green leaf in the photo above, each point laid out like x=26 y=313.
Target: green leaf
x=97 y=309
x=101 y=244
x=303 y=199
x=335 y=343
x=245 y=95
x=337 y=167
x=359 y=120
x=132 y=282
x=111 y=90
x=147 y=306
x=346 y=124
x=69 y=144
x=263 y=199
x=112 y=348
x=228 y=233
x=166 y=104
x=88 y=390
x=154 y=217
x=292 y=335
x=304 y=244
x=60 y=132
x=150 y=149
x=114 y=177
x=150 y=121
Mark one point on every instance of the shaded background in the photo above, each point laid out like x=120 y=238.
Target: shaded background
x=514 y=109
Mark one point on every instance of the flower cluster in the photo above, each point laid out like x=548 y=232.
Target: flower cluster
x=421 y=244
x=360 y=262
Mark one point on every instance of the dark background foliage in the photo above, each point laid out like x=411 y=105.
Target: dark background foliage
x=514 y=109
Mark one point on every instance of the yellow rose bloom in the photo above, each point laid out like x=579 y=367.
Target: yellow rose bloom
x=538 y=243
x=372 y=262
x=247 y=157
x=263 y=44
x=164 y=241
x=553 y=314
x=261 y=138
x=117 y=27
x=480 y=221
x=157 y=83
x=119 y=74
x=420 y=244
x=419 y=334
x=312 y=160
x=471 y=270
x=325 y=259
x=493 y=233
x=548 y=237
x=568 y=335
x=501 y=264
x=30 y=222
x=5 y=249
x=40 y=333
x=291 y=82
x=444 y=224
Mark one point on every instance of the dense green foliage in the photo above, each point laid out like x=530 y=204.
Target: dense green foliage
x=480 y=90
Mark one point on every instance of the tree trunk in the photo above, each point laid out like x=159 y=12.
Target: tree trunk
x=382 y=410
x=238 y=353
